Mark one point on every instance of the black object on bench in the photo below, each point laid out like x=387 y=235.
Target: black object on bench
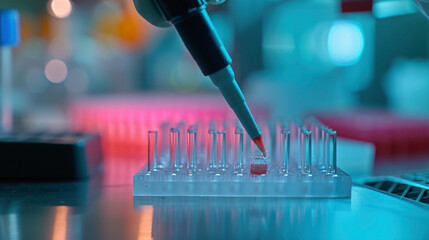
x=49 y=156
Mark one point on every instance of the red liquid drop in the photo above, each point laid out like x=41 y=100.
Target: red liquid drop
x=260 y=144
x=258 y=169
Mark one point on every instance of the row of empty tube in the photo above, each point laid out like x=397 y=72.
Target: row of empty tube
x=294 y=148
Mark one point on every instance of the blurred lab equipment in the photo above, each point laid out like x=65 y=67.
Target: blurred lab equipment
x=35 y=155
x=407 y=86
x=396 y=137
x=9 y=37
x=412 y=187
x=54 y=156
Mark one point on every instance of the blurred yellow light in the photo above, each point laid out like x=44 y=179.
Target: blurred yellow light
x=60 y=8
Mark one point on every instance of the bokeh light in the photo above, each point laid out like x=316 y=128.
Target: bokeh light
x=60 y=8
x=56 y=71
x=345 y=43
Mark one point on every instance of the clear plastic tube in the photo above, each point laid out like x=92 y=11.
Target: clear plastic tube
x=152 y=164
x=221 y=150
x=318 y=132
x=285 y=162
x=211 y=149
x=182 y=128
x=175 y=149
x=238 y=150
x=258 y=161
x=192 y=149
x=324 y=150
x=305 y=151
x=315 y=131
x=332 y=150
x=299 y=142
x=293 y=154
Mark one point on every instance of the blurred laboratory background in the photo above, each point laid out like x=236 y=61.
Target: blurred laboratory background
x=304 y=56
x=96 y=66
x=293 y=58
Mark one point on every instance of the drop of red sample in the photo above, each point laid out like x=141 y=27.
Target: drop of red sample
x=258 y=169
x=260 y=144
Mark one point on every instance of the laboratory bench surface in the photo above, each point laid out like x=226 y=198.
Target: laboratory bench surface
x=104 y=208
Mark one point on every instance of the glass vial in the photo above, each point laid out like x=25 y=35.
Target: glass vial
x=221 y=150
x=285 y=163
x=152 y=153
x=258 y=161
x=175 y=149
x=211 y=149
x=332 y=150
x=305 y=143
x=192 y=150
x=238 y=150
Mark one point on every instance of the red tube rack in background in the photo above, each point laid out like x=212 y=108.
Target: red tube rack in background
x=394 y=136
x=123 y=121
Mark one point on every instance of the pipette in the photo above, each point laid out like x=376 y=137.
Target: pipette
x=195 y=28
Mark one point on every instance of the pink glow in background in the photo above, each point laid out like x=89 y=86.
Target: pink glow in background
x=124 y=122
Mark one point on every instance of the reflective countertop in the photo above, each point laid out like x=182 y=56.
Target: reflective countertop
x=104 y=208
